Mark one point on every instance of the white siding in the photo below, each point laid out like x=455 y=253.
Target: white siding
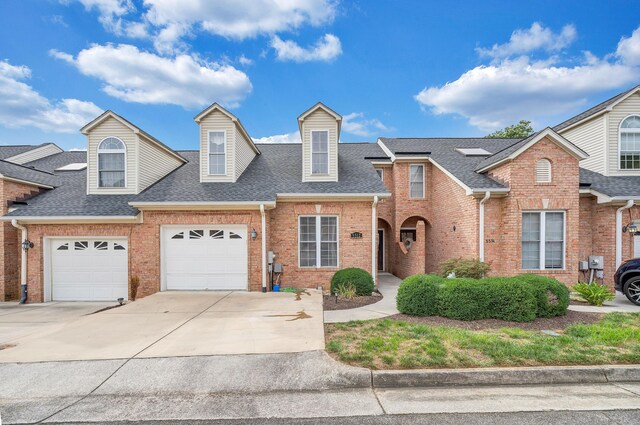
x=590 y=137
x=216 y=121
x=112 y=127
x=244 y=154
x=34 y=154
x=629 y=106
x=319 y=120
x=154 y=164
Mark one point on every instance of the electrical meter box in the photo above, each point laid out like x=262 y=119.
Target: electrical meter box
x=271 y=257
x=596 y=262
x=277 y=267
x=583 y=265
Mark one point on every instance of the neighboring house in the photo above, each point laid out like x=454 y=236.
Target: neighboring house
x=206 y=219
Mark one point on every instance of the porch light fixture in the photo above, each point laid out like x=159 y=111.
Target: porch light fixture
x=631 y=228
x=254 y=234
x=27 y=244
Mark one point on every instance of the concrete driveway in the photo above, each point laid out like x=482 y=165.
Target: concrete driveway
x=171 y=324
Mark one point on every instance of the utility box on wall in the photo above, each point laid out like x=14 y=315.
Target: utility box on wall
x=596 y=262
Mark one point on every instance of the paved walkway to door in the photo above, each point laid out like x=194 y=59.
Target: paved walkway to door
x=388 y=286
x=169 y=324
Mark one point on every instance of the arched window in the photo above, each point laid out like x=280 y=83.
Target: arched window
x=543 y=171
x=111 y=163
x=630 y=143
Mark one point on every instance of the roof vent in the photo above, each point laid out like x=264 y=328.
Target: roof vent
x=75 y=166
x=473 y=151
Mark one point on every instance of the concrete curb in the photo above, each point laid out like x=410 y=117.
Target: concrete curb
x=548 y=375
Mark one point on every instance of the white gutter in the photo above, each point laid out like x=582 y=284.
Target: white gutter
x=264 y=247
x=75 y=219
x=628 y=205
x=333 y=195
x=487 y=195
x=374 y=228
x=23 y=262
x=202 y=204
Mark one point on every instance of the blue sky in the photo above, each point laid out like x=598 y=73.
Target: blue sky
x=391 y=68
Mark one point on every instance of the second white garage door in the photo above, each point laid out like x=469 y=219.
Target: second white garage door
x=205 y=257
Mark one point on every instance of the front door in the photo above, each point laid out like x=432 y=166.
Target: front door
x=381 y=250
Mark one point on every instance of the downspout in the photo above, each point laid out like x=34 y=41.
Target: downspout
x=374 y=228
x=487 y=195
x=628 y=205
x=264 y=248
x=23 y=263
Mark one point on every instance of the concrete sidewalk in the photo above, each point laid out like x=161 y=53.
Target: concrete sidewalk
x=388 y=286
x=301 y=385
x=619 y=305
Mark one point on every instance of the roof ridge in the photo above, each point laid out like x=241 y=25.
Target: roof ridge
x=28 y=168
x=452 y=138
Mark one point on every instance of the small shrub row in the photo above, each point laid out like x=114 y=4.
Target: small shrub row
x=516 y=299
x=464 y=267
x=344 y=280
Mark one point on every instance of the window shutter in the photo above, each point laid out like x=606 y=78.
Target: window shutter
x=543 y=171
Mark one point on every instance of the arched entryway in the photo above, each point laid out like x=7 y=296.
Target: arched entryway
x=411 y=247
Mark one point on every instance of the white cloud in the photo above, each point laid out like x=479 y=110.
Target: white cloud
x=279 y=138
x=529 y=40
x=22 y=106
x=325 y=49
x=142 y=77
x=355 y=123
x=110 y=13
x=514 y=88
x=243 y=60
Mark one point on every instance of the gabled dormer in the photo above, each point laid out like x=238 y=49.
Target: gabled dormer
x=122 y=158
x=320 y=133
x=226 y=149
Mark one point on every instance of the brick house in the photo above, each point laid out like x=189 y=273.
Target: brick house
x=206 y=219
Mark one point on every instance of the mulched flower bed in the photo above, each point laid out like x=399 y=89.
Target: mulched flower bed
x=551 y=323
x=329 y=302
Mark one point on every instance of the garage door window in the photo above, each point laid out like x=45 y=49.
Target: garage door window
x=318 y=241
x=216 y=234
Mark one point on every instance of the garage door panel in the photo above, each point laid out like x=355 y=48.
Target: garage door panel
x=205 y=257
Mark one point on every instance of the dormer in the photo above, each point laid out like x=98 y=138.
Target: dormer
x=226 y=149
x=320 y=133
x=122 y=158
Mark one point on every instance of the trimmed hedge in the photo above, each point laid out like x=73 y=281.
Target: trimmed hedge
x=514 y=299
x=464 y=268
x=360 y=279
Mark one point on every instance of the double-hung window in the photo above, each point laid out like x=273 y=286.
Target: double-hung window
x=320 y=152
x=416 y=180
x=318 y=241
x=217 y=153
x=111 y=163
x=543 y=243
x=630 y=143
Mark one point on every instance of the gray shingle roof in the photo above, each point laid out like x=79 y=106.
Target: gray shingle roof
x=22 y=172
x=505 y=152
x=610 y=186
x=443 y=151
x=52 y=162
x=592 y=111
x=12 y=150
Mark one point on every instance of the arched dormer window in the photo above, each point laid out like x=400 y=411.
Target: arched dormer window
x=543 y=171
x=111 y=163
x=630 y=143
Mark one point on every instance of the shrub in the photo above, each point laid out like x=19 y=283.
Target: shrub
x=594 y=293
x=464 y=268
x=512 y=300
x=360 y=279
x=346 y=290
x=552 y=296
x=134 y=284
x=464 y=299
x=417 y=295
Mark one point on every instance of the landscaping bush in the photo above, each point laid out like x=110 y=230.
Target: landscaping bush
x=417 y=295
x=552 y=296
x=464 y=268
x=464 y=299
x=594 y=293
x=360 y=279
x=512 y=300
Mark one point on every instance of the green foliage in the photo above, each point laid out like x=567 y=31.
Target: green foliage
x=464 y=268
x=517 y=131
x=360 y=279
x=346 y=290
x=417 y=295
x=594 y=293
x=517 y=299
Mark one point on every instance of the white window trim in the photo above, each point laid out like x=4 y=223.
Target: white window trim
x=620 y=141
x=424 y=178
x=319 y=241
x=541 y=265
x=381 y=172
x=126 y=183
x=311 y=173
x=226 y=154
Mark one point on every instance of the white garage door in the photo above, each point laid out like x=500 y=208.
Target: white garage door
x=205 y=257
x=89 y=269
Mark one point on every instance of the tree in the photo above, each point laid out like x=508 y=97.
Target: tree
x=517 y=131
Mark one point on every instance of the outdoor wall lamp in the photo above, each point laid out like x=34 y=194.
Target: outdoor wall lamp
x=631 y=228
x=27 y=244
x=254 y=234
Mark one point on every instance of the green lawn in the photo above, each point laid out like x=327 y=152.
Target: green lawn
x=394 y=344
